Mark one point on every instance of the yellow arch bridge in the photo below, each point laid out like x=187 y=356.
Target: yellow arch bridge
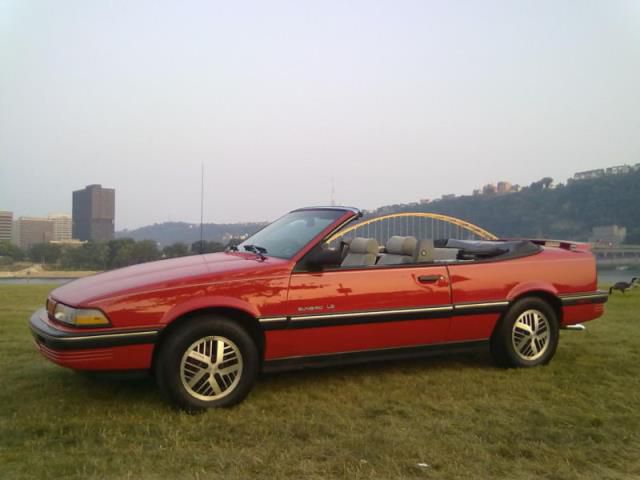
x=418 y=224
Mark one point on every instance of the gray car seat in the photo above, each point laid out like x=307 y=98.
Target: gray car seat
x=399 y=250
x=362 y=252
x=445 y=254
x=425 y=251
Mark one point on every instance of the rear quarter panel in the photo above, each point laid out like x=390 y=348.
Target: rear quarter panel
x=553 y=270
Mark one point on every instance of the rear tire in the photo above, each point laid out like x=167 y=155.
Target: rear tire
x=208 y=362
x=527 y=335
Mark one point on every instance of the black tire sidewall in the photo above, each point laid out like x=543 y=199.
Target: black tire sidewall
x=501 y=343
x=173 y=348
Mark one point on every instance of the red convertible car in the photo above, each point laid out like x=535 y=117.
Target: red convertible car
x=206 y=325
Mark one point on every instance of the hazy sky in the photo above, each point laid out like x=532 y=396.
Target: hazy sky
x=395 y=100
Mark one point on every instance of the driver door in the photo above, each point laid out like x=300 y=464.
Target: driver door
x=363 y=309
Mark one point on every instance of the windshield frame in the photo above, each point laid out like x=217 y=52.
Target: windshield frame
x=348 y=214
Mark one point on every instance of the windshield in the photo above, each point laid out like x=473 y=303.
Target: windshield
x=289 y=234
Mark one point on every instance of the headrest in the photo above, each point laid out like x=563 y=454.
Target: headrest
x=401 y=245
x=363 y=245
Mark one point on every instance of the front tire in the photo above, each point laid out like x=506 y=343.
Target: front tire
x=207 y=362
x=527 y=335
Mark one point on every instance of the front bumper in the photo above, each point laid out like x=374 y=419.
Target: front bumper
x=90 y=350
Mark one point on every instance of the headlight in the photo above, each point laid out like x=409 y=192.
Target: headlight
x=80 y=317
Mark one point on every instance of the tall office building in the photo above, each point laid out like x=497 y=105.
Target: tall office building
x=34 y=230
x=62 y=226
x=15 y=233
x=6 y=224
x=94 y=210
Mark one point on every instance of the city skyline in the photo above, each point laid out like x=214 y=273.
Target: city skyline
x=499 y=187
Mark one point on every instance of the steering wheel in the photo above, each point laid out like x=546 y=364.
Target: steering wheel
x=344 y=247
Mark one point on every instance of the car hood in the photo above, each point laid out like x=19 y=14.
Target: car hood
x=161 y=274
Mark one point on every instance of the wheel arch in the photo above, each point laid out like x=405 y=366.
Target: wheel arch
x=540 y=289
x=248 y=321
x=553 y=300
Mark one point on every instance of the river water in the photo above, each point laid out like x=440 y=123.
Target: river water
x=611 y=275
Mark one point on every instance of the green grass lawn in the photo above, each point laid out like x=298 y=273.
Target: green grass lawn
x=577 y=418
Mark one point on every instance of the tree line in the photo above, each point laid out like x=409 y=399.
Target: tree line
x=116 y=253
x=567 y=211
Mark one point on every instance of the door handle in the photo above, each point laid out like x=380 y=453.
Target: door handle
x=430 y=278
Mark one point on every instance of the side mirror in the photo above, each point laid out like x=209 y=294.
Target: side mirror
x=321 y=259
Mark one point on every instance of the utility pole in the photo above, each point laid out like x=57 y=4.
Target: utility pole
x=333 y=192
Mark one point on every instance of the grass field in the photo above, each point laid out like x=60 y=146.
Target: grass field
x=579 y=417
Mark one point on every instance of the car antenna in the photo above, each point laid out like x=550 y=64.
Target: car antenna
x=201 y=207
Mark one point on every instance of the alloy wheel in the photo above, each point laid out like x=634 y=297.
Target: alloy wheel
x=211 y=368
x=530 y=335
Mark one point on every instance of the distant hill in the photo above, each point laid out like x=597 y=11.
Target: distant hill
x=567 y=211
x=171 y=232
